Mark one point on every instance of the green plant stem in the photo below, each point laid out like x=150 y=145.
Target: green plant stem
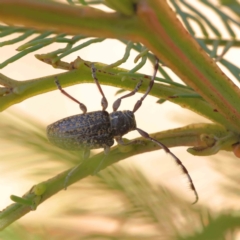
x=179 y=51
x=8 y=82
x=29 y=88
x=217 y=228
x=221 y=42
x=64 y=18
x=186 y=136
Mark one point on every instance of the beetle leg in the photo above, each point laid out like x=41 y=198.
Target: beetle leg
x=70 y=174
x=121 y=142
x=177 y=160
x=81 y=105
x=117 y=103
x=106 y=151
x=85 y=155
x=104 y=101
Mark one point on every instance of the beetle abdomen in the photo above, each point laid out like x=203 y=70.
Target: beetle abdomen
x=91 y=130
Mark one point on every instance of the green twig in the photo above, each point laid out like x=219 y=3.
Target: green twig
x=187 y=136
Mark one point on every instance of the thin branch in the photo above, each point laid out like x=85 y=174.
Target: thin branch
x=29 y=88
x=187 y=136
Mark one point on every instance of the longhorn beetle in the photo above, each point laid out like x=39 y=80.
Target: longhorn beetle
x=99 y=129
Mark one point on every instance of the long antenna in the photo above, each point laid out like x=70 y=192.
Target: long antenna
x=177 y=160
x=139 y=102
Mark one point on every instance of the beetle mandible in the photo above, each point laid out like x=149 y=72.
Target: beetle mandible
x=98 y=129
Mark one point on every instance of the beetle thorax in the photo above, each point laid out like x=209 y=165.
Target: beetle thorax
x=122 y=122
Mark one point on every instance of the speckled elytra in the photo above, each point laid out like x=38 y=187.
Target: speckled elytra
x=98 y=129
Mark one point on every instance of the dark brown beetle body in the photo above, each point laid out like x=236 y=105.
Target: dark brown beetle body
x=99 y=129
x=91 y=130
x=83 y=131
